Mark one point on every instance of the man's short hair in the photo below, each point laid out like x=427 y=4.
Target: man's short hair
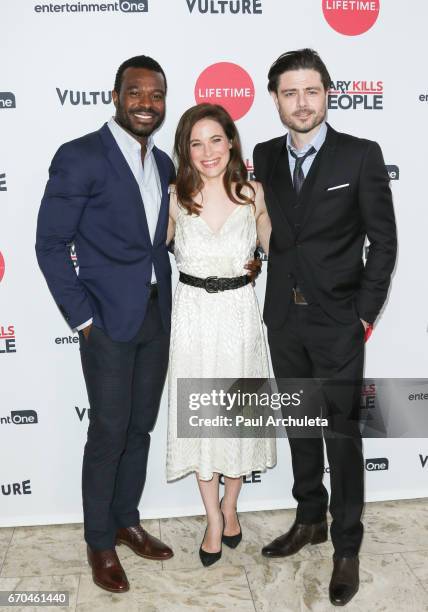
x=139 y=61
x=297 y=60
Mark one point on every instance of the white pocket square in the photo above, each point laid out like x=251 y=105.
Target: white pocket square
x=337 y=187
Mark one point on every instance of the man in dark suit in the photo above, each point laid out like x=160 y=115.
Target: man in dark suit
x=108 y=193
x=325 y=192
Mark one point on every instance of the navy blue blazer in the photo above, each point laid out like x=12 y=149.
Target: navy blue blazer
x=93 y=200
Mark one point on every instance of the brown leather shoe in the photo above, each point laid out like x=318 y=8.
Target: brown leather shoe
x=345 y=580
x=298 y=536
x=107 y=571
x=143 y=544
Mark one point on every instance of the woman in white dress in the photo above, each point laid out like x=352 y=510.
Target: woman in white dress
x=216 y=217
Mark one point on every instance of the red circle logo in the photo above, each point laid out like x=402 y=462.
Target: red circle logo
x=2 y=267
x=351 y=17
x=226 y=84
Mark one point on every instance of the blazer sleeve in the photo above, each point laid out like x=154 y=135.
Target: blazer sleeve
x=257 y=163
x=376 y=206
x=66 y=195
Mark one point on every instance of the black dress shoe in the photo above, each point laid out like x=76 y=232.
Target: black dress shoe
x=298 y=536
x=345 y=580
x=231 y=540
x=208 y=558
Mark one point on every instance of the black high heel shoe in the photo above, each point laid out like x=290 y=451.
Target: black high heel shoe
x=233 y=540
x=208 y=558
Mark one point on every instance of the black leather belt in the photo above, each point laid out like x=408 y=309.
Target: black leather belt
x=214 y=284
x=298 y=297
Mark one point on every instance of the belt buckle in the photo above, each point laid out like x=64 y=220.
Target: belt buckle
x=211 y=284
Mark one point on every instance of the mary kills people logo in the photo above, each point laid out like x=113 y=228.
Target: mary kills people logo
x=356 y=95
x=83 y=98
x=7 y=339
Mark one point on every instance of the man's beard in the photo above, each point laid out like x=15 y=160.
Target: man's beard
x=139 y=131
x=315 y=121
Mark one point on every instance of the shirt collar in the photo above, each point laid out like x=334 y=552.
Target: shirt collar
x=316 y=142
x=126 y=141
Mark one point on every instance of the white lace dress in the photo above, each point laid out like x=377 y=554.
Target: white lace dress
x=215 y=335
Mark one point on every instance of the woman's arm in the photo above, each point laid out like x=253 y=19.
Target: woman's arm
x=264 y=227
x=173 y=209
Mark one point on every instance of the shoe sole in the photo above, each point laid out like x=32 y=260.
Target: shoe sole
x=151 y=558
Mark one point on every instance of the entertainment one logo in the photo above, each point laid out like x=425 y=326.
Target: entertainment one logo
x=377 y=465
x=124 y=6
x=393 y=172
x=415 y=397
x=7 y=100
x=226 y=84
x=222 y=7
x=67 y=340
x=16 y=488
x=2 y=266
x=20 y=417
x=356 y=95
x=83 y=98
x=7 y=339
x=351 y=17
x=3 y=186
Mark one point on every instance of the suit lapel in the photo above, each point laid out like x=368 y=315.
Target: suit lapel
x=280 y=179
x=318 y=173
x=164 y=175
x=121 y=167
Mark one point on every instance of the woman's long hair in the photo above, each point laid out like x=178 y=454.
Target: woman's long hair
x=189 y=182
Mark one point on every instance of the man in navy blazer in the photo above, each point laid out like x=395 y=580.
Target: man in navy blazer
x=108 y=194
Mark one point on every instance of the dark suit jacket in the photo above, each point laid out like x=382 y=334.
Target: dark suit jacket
x=328 y=246
x=93 y=200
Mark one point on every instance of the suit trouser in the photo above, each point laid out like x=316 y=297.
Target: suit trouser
x=311 y=345
x=124 y=381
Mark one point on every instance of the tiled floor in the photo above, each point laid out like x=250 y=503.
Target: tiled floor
x=394 y=567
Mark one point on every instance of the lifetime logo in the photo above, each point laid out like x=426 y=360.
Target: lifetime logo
x=351 y=17
x=16 y=488
x=7 y=339
x=377 y=465
x=2 y=266
x=125 y=6
x=355 y=95
x=3 y=186
x=7 y=99
x=221 y=7
x=20 y=417
x=84 y=98
x=226 y=84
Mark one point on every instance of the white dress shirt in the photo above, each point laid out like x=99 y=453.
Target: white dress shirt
x=147 y=178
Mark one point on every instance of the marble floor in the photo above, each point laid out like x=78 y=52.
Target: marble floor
x=393 y=560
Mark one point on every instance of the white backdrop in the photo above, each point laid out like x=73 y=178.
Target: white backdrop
x=47 y=51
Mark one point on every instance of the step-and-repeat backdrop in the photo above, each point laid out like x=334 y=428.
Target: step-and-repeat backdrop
x=58 y=65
